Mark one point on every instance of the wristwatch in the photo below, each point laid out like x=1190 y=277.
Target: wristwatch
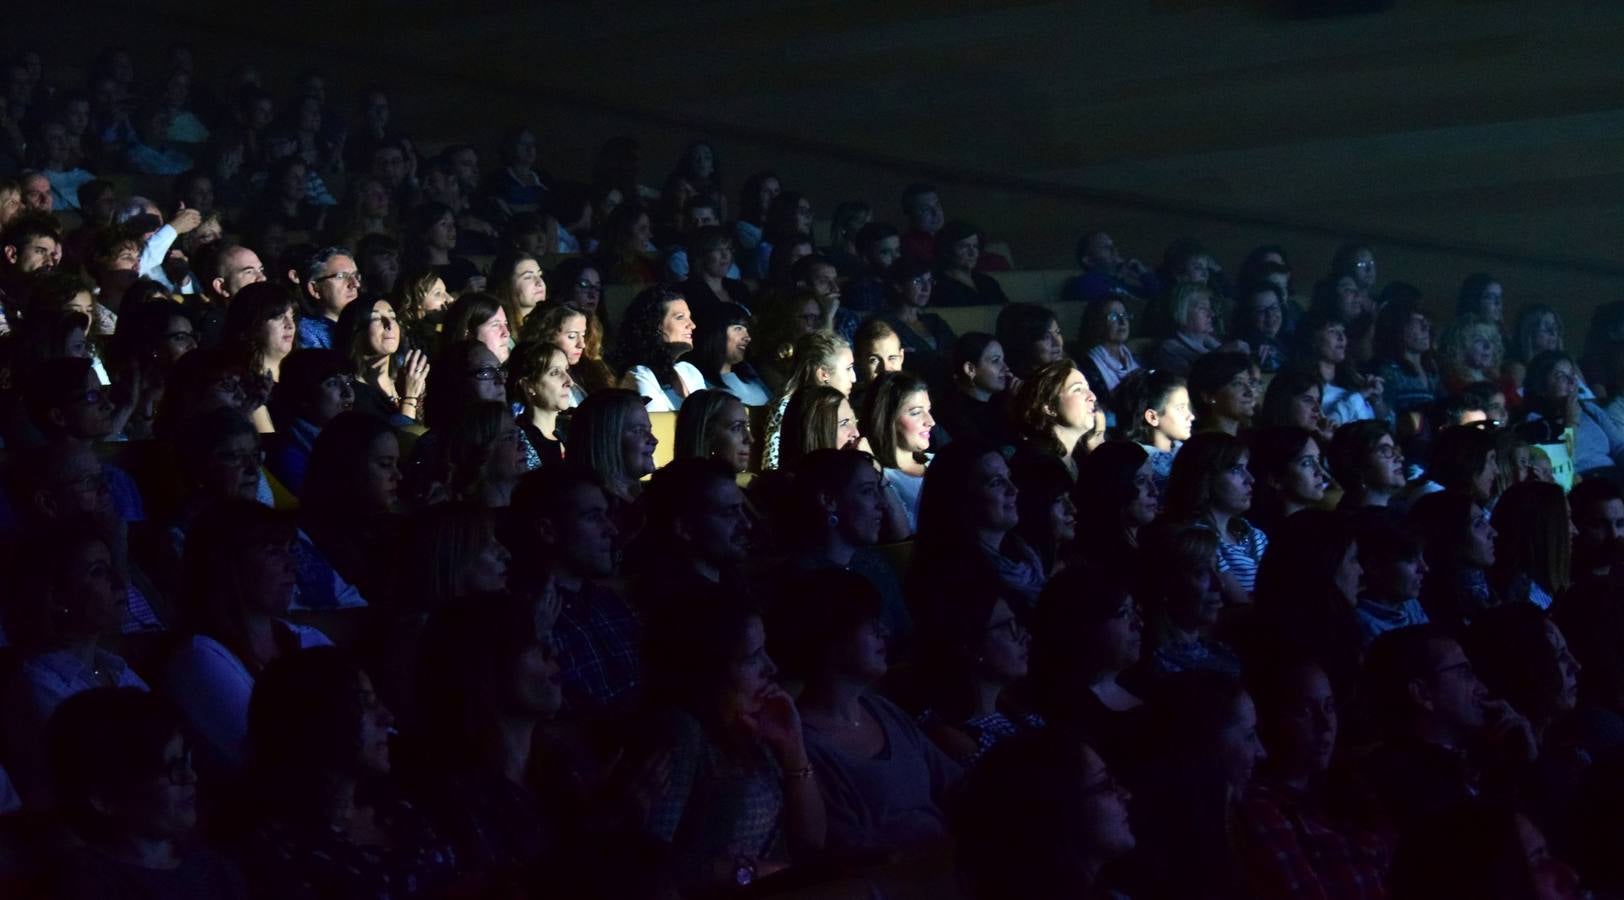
x=744 y=871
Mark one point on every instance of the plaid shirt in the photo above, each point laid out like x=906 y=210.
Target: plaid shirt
x=597 y=637
x=1290 y=848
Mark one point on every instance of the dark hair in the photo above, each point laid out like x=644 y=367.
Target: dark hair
x=1443 y=520
x=335 y=480
x=143 y=329
x=641 y=340
x=811 y=422
x=1305 y=355
x=1470 y=298
x=350 y=336
x=1286 y=387
x=1073 y=605
x=596 y=428
x=948 y=237
x=302 y=375
x=1391 y=323
x=1211 y=373
x=688 y=650
x=217 y=543
x=882 y=403
x=466 y=314
x=1539 y=370
x=1393 y=660
x=105 y=741
x=448 y=390
x=1202 y=458
x=246 y=315
x=53 y=384
x=304 y=731
x=466 y=661
x=1141 y=390
x=1019 y=326
x=1459 y=453
x=1042 y=480
x=711 y=339
x=968 y=350
x=1350 y=444
x=1273 y=449
x=38 y=612
x=824 y=471
x=1105 y=484
x=1515 y=661
x=1533 y=536
x=872 y=234
x=819 y=611
x=1473 y=849
x=946 y=517
x=28 y=225
x=750 y=208
x=1299 y=605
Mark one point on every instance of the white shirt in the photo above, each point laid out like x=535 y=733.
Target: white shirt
x=750 y=393
x=212 y=686
x=41 y=685
x=663 y=399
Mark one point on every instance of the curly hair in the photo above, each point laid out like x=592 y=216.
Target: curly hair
x=1457 y=340
x=1037 y=401
x=641 y=340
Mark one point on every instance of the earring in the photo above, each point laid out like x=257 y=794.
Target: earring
x=834 y=520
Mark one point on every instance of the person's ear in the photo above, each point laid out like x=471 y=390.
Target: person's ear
x=103 y=806
x=219 y=286
x=545 y=531
x=968 y=370
x=1153 y=419
x=57 y=418
x=11 y=254
x=1420 y=695
x=679 y=527
x=46 y=504
x=826 y=501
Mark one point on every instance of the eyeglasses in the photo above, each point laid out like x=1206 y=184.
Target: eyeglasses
x=352 y=276
x=244 y=458
x=922 y=281
x=489 y=373
x=1119 y=317
x=1365 y=264
x=591 y=287
x=1386 y=451
x=1269 y=310
x=181 y=337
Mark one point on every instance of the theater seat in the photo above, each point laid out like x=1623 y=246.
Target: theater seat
x=665 y=431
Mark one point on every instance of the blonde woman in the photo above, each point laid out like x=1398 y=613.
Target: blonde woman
x=821 y=359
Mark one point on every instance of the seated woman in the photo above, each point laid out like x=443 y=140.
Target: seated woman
x=1458 y=542
x=610 y=434
x=1223 y=390
x=721 y=348
x=656 y=332
x=714 y=425
x=881 y=778
x=626 y=255
x=820 y=359
x=927 y=340
x=1294 y=400
x=1404 y=360
x=1292 y=839
x=967 y=516
x=1204 y=751
x=1103 y=340
x=539 y=378
x=1306 y=593
x=1042 y=814
x=241 y=578
x=1114 y=498
x=519 y=285
x=710 y=259
x=64 y=604
x=834 y=515
x=1087 y=633
x=1523 y=659
x=741 y=800
x=151 y=336
x=423 y=301
x=1479 y=848
x=1195 y=335
x=351 y=498
x=958 y=283
x=486 y=685
x=478 y=460
x=1048 y=515
x=1551 y=398
x=315 y=387
x=1464 y=459
x=822 y=418
x=980 y=374
x=1390 y=556
x=121 y=773
x=1367 y=464
x=1031 y=337
x=788 y=225
x=478 y=317
x=1181 y=592
x=1288 y=474
x=971 y=649
x=389 y=384
x=564 y=327
x=1533 y=544
x=1259 y=315
x=431 y=238
x=896 y=421
x=1153 y=410
x=576 y=283
x=1321 y=351
x=258 y=334
x=326 y=816
x=1212 y=486
x=1057 y=413
x=1469 y=350
x=783 y=317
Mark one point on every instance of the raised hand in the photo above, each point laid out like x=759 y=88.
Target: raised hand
x=186 y=220
x=778 y=724
x=414 y=374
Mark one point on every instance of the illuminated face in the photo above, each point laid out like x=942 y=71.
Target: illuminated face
x=1076 y=404
x=494 y=335
x=677 y=326
x=528 y=286
x=383 y=329
x=571 y=338
x=884 y=356
x=914 y=423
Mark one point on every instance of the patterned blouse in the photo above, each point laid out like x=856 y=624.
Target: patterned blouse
x=988 y=730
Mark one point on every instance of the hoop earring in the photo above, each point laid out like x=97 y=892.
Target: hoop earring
x=834 y=520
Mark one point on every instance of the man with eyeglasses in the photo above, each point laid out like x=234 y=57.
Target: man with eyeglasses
x=1445 y=739
x=222 y=268
x=331 y=282
x=1106 y=274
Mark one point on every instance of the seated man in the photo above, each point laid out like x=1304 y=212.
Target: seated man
x=1106 y=274
x=30 y=244
x=1444 y=739
x=699 y=213
x=331 y=282
x=560 y=517
x=880 y=246
x=222 y=268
